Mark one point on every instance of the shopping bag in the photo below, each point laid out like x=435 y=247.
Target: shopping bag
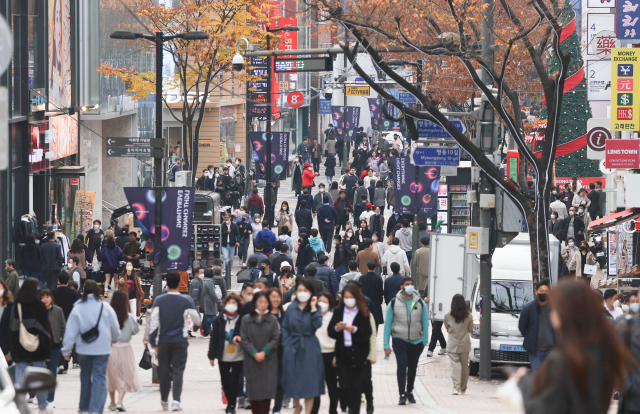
x=590 y=269
x=145 y=361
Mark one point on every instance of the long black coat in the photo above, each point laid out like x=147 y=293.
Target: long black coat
x=578 y=225
x=330 y=163
x=356 y=355
x=304 y=219
x=373 y=288
x=31 y=258
x=232 y=232
x=296 y=181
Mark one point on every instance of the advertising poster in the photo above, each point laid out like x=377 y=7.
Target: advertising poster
x=376 y=113
x=59 y=54
x=66 y=142
x=83 y=209
x=338 y=122
x=352 y=122
x=279 y=154
x=415 y=196
x=173 y=249
x=613 y=252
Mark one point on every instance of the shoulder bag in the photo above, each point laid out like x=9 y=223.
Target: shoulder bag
x=92 y=334
x=29 y=341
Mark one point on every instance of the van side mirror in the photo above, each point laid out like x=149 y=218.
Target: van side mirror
x=36 y=380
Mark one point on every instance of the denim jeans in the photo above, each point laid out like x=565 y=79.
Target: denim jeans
x=93 y=382
x=206 y=324
x=52 y=365
x=38 y=275
x=537 y=358
x=20 y=367
x=229 y=252
x=407 y=356
x=329 y=179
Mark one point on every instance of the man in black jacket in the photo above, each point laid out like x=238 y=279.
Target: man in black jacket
x=577 y=227
x=131 y=251
x=52 y=260
x=203 y=182
x=535 y=326
x=304 y=218
x=373 y=288
x=359 y=209
x=283 y=257
x=594 y=207
x=94 y=234
x=230 y=238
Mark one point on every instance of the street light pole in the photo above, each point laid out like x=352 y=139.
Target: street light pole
x=157 y=163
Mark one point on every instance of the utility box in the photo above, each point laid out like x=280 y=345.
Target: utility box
x=508 y=216
x=487 y=201
x=477 y=240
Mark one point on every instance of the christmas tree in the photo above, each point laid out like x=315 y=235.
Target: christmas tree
x=575 y=110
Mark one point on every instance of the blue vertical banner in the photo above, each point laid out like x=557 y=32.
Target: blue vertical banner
x=173 y=249
x=374 y=110
x=337 y=115
x=628 y=19
x=405 y=183
x=324 y=106
x=279 y=154
x=352 y=122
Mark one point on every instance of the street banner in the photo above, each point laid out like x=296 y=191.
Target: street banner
x=374 y=110
x=353 y=122
x=405 y=183
x=279 y=154
x=338 y=122
x=387 y=124
x=84 y=208
x=622 y=153
x=173 y=249
x=625 y=90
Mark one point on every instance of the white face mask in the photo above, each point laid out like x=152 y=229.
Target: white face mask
x=247 y=298
x=321 y=190
x=571 y=213
x=350 y=234
x=257 y=220
x=571 y=244
x=303 y=297
x=264 y=312
x=37 y=241
x=374 y=238
x=129 y=267
x=409 y=289
x=231 y=308
x=580 y=210
x=625 y=308
x=1 y=292
x=635 y=307
x=217 y=175
x=323 y=306
x=616 y=304
x=96 y=227
x=349 y=302
x=227 y=222
x=237 y=162
x=256 y=290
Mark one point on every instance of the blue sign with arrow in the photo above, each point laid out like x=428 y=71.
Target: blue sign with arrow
x=428 y=129
x=433 y=157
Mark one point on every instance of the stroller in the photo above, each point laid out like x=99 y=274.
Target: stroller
x=146 y=305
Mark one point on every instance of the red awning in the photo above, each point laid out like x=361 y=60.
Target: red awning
x=614 y=219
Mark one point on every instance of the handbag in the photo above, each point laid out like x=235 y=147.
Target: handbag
x=145 y=361
x=96 y=266
x=29 y=341
x=244 y=275
x=93 y=333
x=590 y=269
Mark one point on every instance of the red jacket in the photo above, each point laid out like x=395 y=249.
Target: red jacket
x=255 y=200
x=307 y=177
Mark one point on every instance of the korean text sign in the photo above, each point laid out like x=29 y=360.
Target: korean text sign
x=625 y=90
x=622 y=153
x=628 y=19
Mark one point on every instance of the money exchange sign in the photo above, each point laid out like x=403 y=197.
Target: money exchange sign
x=625 y=90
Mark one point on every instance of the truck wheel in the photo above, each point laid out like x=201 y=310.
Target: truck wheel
x=474 y=368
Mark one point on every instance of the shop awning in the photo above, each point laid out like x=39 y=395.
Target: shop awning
x=614 y=219
x=68 y=171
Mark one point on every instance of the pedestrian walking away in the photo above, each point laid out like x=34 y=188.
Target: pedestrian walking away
x=459 y=325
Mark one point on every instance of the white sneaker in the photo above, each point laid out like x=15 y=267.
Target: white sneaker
x=429 y=353
x=455 y=392
x=48 y=410
x=165 y=405
x=175 y=406
x=120 y=406
x=442 y=352
x=112 y=407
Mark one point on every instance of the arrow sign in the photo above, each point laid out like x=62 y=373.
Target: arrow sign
x=434 y=156
x=131 y=152
x=427 y=129
x=135 y=142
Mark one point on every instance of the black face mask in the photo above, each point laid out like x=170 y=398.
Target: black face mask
x=542 y=297
x=305 y=193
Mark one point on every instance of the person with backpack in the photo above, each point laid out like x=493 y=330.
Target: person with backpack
x=32 y=347
x=211 y=299
x=268 y=237
x=306 y=255
x=92 y=326
x=110 y=258
x=175 y=167
x=255 y=204
x=407 y=323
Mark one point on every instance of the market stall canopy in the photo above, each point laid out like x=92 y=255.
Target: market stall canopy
x=614 y=219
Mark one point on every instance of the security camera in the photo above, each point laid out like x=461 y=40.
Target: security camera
x=328 y=93
x=238 y=62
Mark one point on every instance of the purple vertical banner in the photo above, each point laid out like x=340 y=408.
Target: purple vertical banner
x=407 y=201
x=374 y=110
x=353 y=122
x=387 y=124
x=279 y=154
x=337 y=115
x=173 y=249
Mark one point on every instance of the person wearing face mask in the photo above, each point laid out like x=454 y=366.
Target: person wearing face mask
x=572 y=227
x=555 y=225
x=308 y=198
x=584 y=215
x=350 y=242
x=222 y=348
x=230 y=238
x=407 y=323
x=612 y=304
x=569 y=249
x=580 y=259
x=535 y=326
x=318 y=198
x=558 y=207
x=129 y=283
x=306 y=255
x=406 y=150
x=581 y=198
x=12 y=279
x=326 y=303
x=93 y=234
x=630 y=307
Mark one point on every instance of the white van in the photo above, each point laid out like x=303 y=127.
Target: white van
x=511 y=289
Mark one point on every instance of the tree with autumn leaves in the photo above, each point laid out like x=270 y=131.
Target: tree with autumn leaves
x=450 y=34
x=201 y=67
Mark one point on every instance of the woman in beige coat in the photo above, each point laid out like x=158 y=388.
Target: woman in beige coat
x=77 y=249
x=459 y=324
x=580 y=259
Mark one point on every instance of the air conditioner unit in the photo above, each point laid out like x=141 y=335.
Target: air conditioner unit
x=183 y=179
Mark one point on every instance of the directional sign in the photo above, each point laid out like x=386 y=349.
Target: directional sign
x=597 y=136
x=406 y=98
x=433 y=156
x=135 y=142
x=295 y=99
x=427 y=129
x=358 y=90
x=133 y=152
x=324 y=106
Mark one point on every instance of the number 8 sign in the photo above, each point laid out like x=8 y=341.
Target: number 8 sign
x=295 y=99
